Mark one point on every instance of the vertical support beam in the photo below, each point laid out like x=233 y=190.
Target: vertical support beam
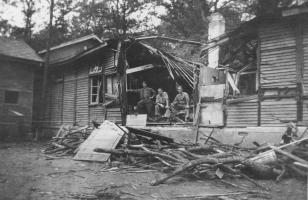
x=299 y=67
x=104 y=82
x=75 y=95
x=258 y=82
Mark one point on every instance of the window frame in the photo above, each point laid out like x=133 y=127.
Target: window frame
x=99 y=88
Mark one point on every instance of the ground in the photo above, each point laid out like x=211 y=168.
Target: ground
x=26 y=173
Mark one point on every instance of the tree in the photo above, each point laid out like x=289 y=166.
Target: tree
x=110 y=18
x=28 y=11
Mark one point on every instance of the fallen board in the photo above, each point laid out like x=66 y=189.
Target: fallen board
x=107 y=135
x=150 y=134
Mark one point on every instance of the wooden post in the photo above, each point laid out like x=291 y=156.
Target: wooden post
x=45 y=75
x=299 y=68
x=104 y=83
x=75 y=95
x=258 y=85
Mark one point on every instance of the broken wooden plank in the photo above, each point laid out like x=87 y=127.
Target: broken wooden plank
x=150 y=134
x=289 y=155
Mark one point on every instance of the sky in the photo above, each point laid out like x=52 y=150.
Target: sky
x=14 y=14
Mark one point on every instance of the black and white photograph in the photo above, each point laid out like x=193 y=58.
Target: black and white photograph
x=153 y=99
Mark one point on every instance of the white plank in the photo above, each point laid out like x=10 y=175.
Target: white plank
x=106 y=136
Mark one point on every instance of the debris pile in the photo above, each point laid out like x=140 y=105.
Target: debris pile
x=67 y=140
x=212 y=159
x=145 y=149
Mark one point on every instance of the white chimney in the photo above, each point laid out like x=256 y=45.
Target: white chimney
x=216 y=28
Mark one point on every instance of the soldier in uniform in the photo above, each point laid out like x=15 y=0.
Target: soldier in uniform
x=181 y=102
x=145 y=105
x=161 y=103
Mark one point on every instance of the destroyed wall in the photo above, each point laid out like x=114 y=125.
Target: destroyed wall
x=282 y=80
x=69 y=93
x=16 y=96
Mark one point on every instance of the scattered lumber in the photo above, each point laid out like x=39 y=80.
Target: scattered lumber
x=67 y=140
x=151 y=151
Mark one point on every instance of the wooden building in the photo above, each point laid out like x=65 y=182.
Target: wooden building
x=272 y=80
x=261 y=81
x=75 y=75
x=18 y=64
x=88 y=79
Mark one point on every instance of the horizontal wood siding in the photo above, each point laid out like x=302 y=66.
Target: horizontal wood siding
x=278 y=55
x=108 y=62
x=305 y=70
x=97 y=113
x=283 y=109
x=56 y=100
x=68 y=98
x=82 y=98
x=305 y=110
x=242 y=113
x=113 y=114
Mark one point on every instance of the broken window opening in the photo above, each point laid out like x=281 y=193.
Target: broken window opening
x=95 y=90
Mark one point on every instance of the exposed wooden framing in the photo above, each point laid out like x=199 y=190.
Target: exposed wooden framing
x=140 y=68
x=299 y=67
x=258 y=82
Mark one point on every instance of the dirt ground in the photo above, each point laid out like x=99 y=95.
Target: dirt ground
x=26 y=173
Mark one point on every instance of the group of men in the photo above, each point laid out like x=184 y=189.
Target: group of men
x=159 y=104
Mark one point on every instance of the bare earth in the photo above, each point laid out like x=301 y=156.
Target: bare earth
x=25 y=173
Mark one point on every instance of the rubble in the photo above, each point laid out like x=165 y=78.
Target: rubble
x=67 y=140
x=151 y=151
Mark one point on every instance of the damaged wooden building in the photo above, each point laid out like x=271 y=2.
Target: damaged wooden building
x=255 y=77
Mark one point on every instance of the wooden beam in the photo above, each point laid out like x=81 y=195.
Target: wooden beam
x=258 y=77
x=299 y=67
x=140 y=68
x=171 y=40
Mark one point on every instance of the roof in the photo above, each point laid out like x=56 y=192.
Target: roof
x=294 y=3
x=78 y=40
x=18 y=49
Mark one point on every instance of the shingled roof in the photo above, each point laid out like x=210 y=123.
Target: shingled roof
x=18 y=49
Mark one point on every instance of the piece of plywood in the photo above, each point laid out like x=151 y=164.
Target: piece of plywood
x=106 y=136
x=212 y=114
x=215 y=91
x=139 y=120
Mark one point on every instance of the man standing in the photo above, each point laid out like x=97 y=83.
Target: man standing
x=145 y=105
x=181 y=102
x=161 y=103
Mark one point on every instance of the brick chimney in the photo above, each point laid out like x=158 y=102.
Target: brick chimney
x=216 y=28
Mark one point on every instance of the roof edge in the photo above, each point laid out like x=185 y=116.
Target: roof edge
x=77 y=40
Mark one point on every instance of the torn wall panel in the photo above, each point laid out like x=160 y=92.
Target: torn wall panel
x=278 y=112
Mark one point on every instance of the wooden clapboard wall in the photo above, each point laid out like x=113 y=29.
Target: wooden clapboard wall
x=242 y=113
x=82 y=97
x=305 y=52
x=278 y=55
x=56 y=106
x=276 y=112
x=278 y=69
x=69 y=95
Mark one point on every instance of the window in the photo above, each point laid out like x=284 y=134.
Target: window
x=95 y=95
x=112 y=85
x=11 y=97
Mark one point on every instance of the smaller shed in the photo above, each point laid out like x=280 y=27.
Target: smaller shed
x=18 y=63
